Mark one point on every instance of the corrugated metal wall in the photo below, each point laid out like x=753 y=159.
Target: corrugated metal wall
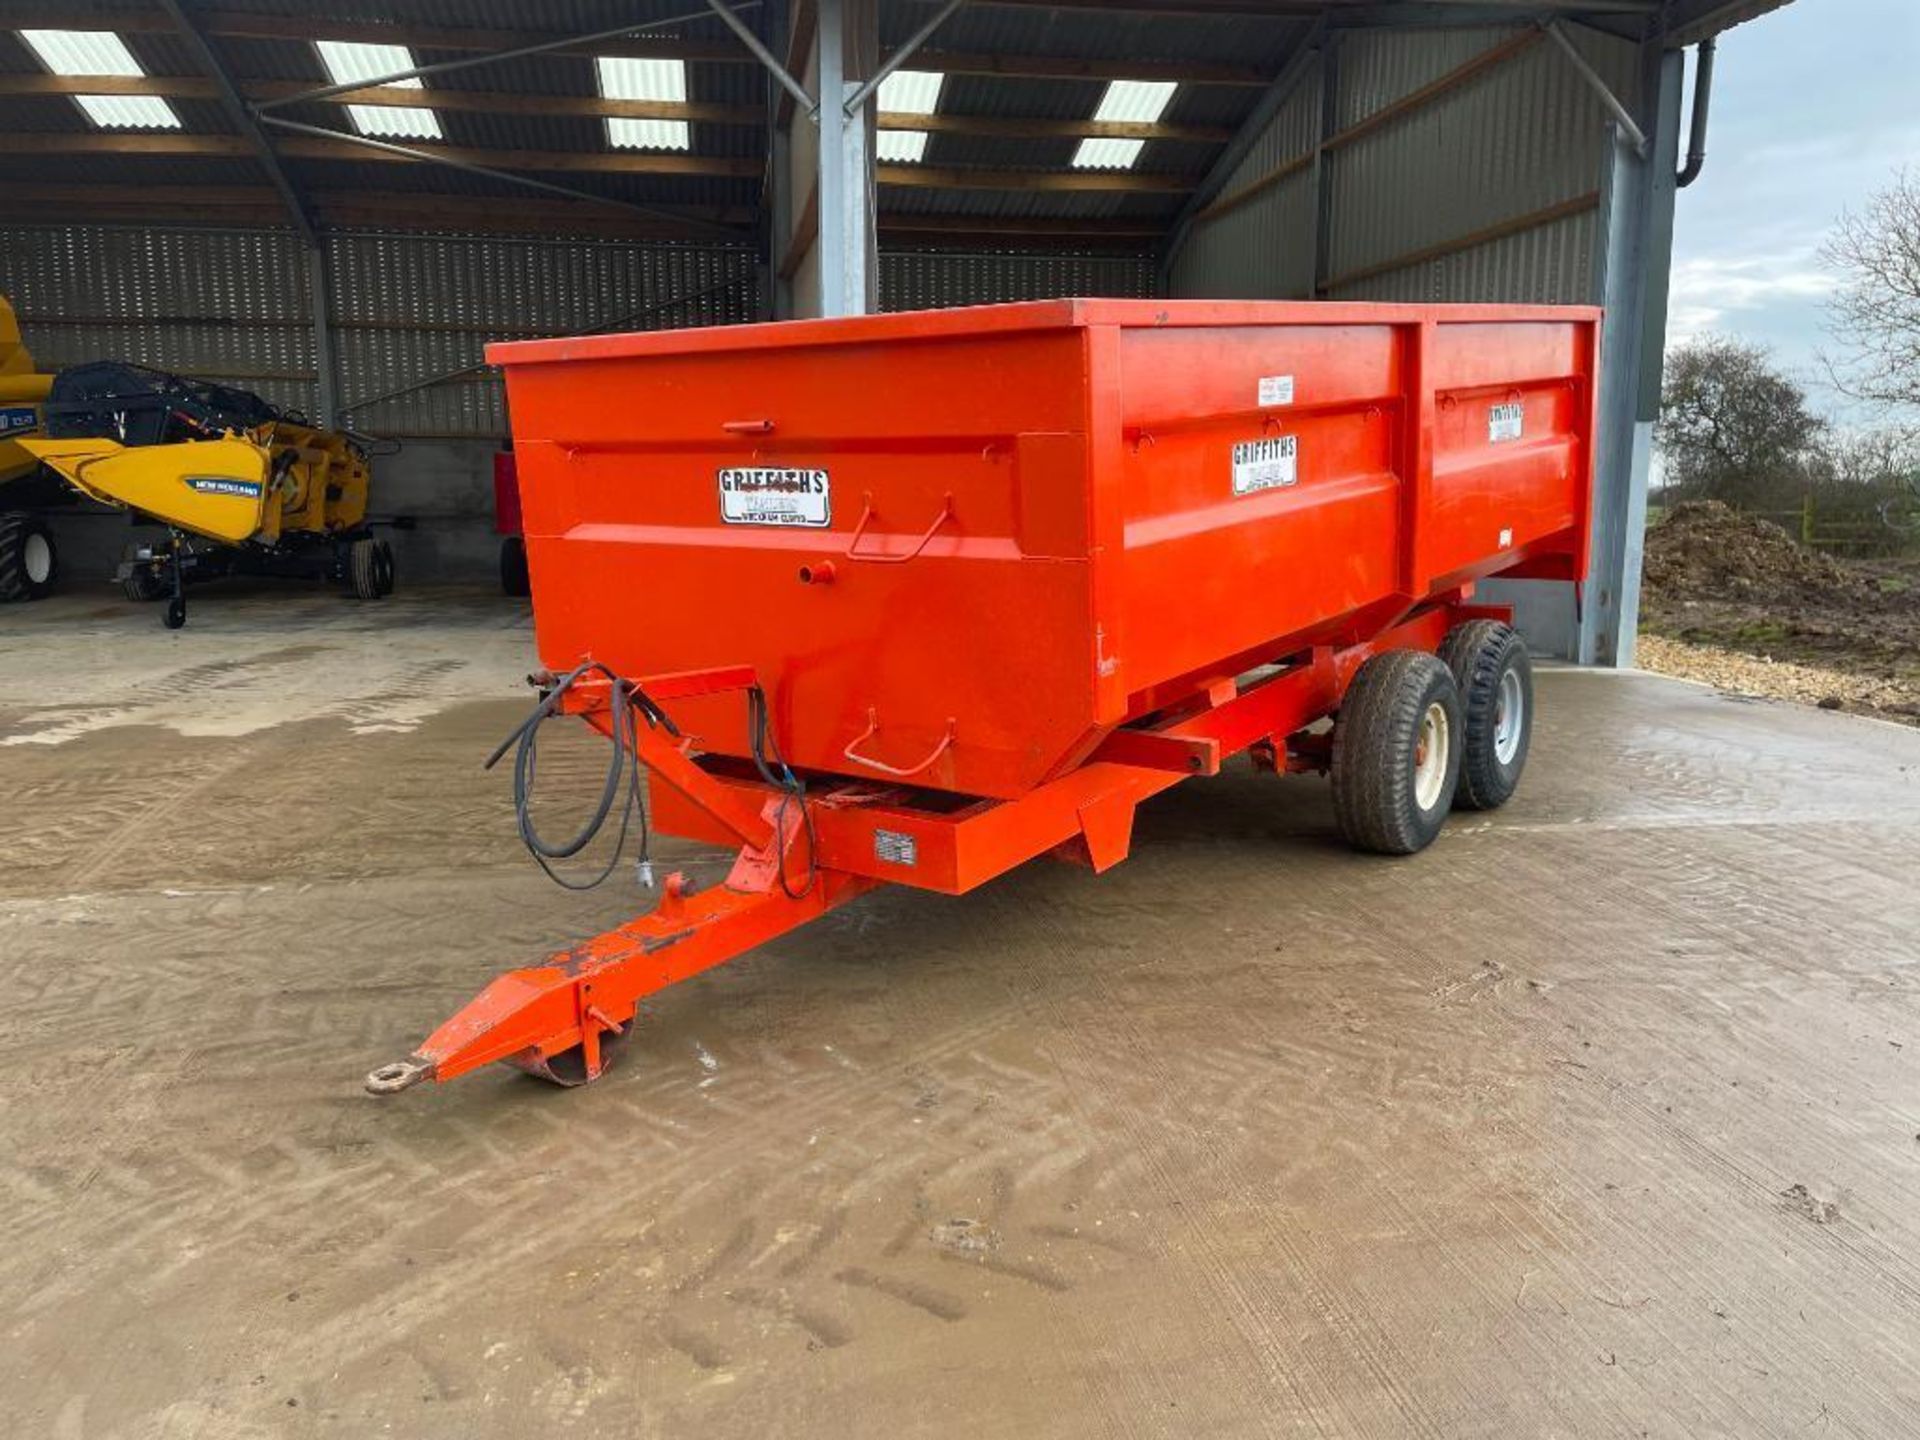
x=235 y=305
x=932 y=280
x=1263 y=248
x=1522 y=137
x=221 y=304
x=409 y=307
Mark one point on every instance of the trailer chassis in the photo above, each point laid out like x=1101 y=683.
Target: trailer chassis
x=560 y=1019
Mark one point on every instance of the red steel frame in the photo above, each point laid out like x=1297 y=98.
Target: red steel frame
x=579 y=999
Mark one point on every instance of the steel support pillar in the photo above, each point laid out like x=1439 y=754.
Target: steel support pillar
x=1632 y=253
x=1637 y=220
x=847 y=37
x=326 y=392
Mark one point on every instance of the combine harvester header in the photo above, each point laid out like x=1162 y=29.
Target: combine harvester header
x=917 y=598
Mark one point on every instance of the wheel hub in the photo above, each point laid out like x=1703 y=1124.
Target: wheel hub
x=1431 y=752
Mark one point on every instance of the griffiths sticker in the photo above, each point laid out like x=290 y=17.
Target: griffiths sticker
x=1270 y=464
x=222 y=485
x=770 y=495
x=12 y=421
x=1506 y=422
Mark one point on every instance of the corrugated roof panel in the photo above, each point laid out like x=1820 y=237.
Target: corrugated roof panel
x=128 y=112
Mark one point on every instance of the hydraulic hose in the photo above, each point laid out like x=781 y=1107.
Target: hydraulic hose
x=629 y=705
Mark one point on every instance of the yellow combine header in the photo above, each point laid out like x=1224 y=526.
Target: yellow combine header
x=241 y=485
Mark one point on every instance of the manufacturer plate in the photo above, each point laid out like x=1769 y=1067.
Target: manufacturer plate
x=892 y=847
x=1506 y=422
x=1270 y=464
x=775 y=495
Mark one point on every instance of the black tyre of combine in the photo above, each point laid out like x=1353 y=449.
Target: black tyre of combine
x=384 y=553
x=29 y=564
x=365 y=573
x=514 y=579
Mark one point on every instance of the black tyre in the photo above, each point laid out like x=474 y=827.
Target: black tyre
x=363 y=568
x=28 y=562
x=1495 y=678
x=1396 y=753
x=514 y=579
x=176 y=615
x=383 y=554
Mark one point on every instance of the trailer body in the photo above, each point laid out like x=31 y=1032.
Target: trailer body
x=1027 y=525
x=990 y=578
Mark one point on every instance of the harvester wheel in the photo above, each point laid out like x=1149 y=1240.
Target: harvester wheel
x=1396 y=753
x=1495 y=678
x=513 y=567
x=384 y=553
x=363 y=568
x=28 y=562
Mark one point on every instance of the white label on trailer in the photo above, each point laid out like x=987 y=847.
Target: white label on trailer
x=775 y=495
x=1276 y=389
x=1269 y=464
x=1506 y=422
x=892 y=847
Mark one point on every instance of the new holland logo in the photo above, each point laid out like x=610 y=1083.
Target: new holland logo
x=221 y=485
x=12 y=422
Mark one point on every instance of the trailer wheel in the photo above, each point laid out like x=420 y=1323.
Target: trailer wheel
x=28 y=562
x=363 y=568
x=514 y=579
x=1396 y=753
x=1495 y=678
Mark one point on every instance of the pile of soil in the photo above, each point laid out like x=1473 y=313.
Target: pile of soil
x=1729 y=584
x=1703 y=550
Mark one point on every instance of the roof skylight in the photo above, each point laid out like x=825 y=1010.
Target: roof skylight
x=908 y=92
x=101 y=52
x=1140 y=102
x=350 y=61
x=627 y=78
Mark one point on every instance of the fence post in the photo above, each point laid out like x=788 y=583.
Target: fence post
x=1806 y=521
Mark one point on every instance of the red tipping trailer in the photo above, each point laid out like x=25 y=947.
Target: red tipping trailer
x=915 y=598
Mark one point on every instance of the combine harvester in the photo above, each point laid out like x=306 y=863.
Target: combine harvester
x=242 y=486
x=29 y=565
x=914 y=599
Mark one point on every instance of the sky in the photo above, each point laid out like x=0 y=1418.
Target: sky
x=1814 y=107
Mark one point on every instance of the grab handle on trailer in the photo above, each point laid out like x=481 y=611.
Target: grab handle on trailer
x=867 y=515
x=873 y=728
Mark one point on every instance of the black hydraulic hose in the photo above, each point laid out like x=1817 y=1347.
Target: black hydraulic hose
x=629 y=705
x=792 y=790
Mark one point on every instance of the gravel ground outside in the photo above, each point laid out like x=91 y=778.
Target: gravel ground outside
x=1738 y=674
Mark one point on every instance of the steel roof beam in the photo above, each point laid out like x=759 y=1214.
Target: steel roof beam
x=900 y=56
x=243 y=120
x=408 y=152
x=765 y=56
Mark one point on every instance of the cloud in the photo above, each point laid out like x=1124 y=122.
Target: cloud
x=1708 y=289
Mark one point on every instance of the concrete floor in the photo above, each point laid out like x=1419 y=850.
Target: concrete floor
x=1600 y=1118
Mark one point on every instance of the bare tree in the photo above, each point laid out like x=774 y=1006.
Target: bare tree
x=1732 y=427
x=1874 y=316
